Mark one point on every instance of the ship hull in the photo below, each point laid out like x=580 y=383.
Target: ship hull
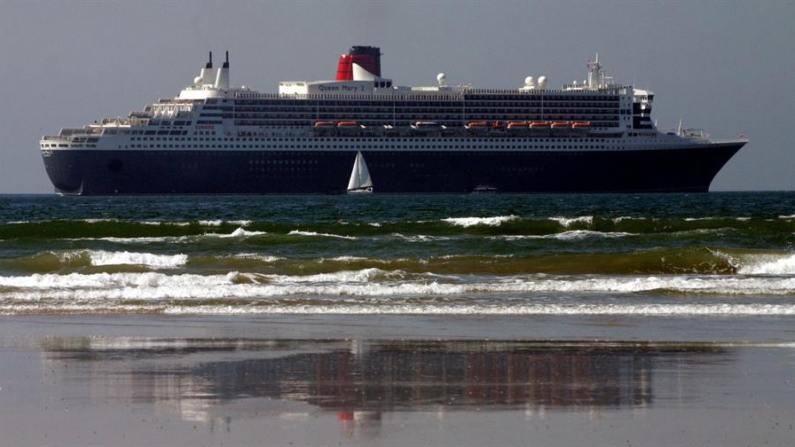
x=135 y=172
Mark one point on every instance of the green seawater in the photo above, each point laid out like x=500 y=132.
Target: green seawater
x=717 y=253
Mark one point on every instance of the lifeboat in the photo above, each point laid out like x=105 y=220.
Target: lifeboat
x=347 y=124
x=581 y=125
x=539 y=124
x=517 y=125
x=324 y=124
x=426 y=124
x=477 y=124
x=560 y=124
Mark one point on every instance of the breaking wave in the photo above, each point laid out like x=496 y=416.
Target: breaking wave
x=99 y=258
x=696 y=261
x=474 y=221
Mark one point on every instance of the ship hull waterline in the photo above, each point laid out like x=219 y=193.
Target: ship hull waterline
x=160 y=172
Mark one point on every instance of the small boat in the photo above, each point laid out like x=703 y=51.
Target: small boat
x=360 y=181
x=581 y=124
x=324 y=124
x=539 y=124
x=347 y=124
x=560 y=124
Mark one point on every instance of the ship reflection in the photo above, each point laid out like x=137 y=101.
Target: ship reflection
x=209 y=379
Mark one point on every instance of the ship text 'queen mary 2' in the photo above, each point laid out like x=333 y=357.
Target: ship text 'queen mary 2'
x=595 y=136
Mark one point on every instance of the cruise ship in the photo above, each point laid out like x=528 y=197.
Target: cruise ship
x=318 y=137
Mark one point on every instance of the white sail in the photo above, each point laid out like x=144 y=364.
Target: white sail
x=360 y=176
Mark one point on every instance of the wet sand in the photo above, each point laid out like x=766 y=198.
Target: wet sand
x=366 y=380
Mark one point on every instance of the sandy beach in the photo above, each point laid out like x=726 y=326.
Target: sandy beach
x=368 y=380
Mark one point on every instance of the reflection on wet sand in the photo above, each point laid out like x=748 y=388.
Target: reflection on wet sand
x=212 y=380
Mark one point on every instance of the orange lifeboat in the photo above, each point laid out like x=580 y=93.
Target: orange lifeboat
x=538 y=124
x=560 y=124
x=324 y=124
x=347 y=124
x=581 y=124
x=517 y=125
x=477 y=124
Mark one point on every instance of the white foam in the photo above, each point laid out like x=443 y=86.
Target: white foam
x=93 y=221
x=576 y=235
x=218 y=222
x=239 y=233
x=767 y=265
x=145 y=240
x=340 y=283
x=567 y=222
x=473 y=221
x=543 y=309
x=345 y=259
x=211 y=223
x=373 y=282
x=149 y=286
x=378 y=291
x=571 y=235
x=313 y=233
x=623 y=218
x=420 y=237
x=258 y=257
x=165 y=223
x=130 y=258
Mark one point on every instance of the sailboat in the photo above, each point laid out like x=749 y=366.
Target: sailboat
x=360 y=181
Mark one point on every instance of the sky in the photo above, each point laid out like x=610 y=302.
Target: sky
x=726 y=66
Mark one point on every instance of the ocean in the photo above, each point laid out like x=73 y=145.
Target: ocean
x=717 y=254
x=444 y=320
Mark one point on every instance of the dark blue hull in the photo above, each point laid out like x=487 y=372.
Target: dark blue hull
x=99 y=172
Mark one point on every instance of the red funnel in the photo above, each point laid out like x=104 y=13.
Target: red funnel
x=366 y=57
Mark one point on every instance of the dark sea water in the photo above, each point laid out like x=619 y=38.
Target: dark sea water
x=706 y=255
